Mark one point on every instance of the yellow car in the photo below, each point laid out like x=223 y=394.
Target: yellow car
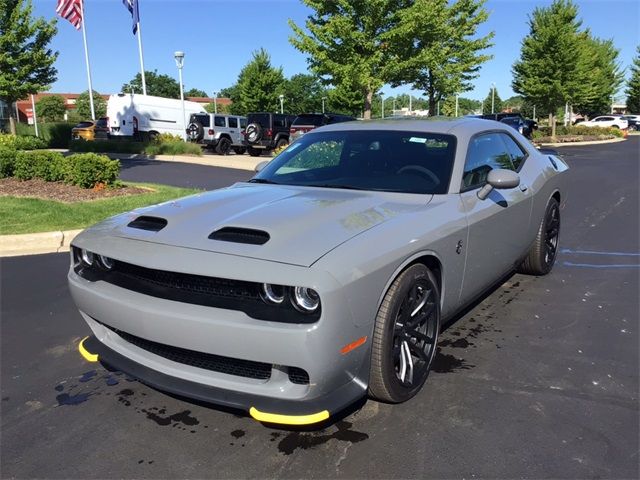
x=90 y=131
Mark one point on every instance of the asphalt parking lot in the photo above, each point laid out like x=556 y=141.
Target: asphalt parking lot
x=539 y=380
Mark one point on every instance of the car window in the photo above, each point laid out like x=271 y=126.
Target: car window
x=219 y=122
x=102 y=122
x=243 y=123
x=233 y=122
x=517 y=153
x=485 y=153
x=379 y=160
x=260 y=118
x=203 y=119
x=84 y=125
x=315 y=120
x=279 y=122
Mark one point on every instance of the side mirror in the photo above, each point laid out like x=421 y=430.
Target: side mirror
x=261 y=165
x=499 y=178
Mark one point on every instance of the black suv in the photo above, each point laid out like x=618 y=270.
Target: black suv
x=308 y=121
x=266 y=131
x=515 y=120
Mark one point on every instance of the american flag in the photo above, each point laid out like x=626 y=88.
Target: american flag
x=71 y=10
x=132 y=6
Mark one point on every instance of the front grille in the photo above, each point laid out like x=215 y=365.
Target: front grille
x=206 y=361
x=298 y=376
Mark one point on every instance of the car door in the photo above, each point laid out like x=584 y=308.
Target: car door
x=234 y=130
x=498 y=233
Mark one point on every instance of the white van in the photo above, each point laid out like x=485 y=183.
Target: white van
x=131 y=114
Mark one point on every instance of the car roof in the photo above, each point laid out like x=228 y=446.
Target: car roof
x=464 y=126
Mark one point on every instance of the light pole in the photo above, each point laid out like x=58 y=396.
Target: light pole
x=382 y=98
x=493 y=96
x=179 y=56
x=394 y=105
x=281 y=97
x=215 y=101
x=456 y=104
x=438 y=107
x=323 y=100
x=410 y=103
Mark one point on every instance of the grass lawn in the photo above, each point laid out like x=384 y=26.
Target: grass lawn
x=30 y=215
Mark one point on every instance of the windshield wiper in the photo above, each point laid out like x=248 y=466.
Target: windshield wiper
x=334 y=185
x=262 y=180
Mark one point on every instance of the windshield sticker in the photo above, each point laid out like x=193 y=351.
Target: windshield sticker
x=418 y=140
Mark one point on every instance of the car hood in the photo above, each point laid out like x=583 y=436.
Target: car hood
x=303 y=223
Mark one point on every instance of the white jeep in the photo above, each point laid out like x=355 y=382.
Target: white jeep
x=221 y=133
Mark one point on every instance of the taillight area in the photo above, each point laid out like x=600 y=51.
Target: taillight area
x=212 y=131
x=292 y=131
x=268 y=132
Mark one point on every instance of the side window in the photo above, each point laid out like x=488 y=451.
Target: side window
x=219 y=122
x=233 y=122
x=317 y=155
x=279 y=122
x=486 y=152
x=517 y=153
x=243 y=123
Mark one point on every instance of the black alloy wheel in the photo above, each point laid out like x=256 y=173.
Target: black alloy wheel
x=543 y=252
x=224 y=146
x=552 y=233
x=405 y=336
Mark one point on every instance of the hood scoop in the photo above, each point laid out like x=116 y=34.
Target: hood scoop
x=150 y=224
x=241 y=235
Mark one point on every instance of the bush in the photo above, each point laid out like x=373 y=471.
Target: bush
x=167 y=138
x=578 y=130
x=103 y=146
x=173 y=147
x=21 y=142
x=89 y=169
x=49 y=166
x=7 y=161
x=55 y=135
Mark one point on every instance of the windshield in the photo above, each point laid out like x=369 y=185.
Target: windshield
x=382 y=160
x=260 y=118
x=84 y=125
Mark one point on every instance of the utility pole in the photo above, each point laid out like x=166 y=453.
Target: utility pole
x=179 y=58
x=493 y=97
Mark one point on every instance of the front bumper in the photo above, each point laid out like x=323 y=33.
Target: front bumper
x=265 y=409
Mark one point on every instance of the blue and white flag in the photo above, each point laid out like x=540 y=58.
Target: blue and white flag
x=132 y=6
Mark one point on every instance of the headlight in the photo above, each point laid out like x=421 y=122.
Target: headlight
x=272 y=293
x=106 y=262
x=305 y=299
x=87 y=257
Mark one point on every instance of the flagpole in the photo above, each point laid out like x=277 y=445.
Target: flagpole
x=144 y=83
x=86 y=57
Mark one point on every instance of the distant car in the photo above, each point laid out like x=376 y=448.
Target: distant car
x=90 y=131
x=633 y=121
x=607 y=121
x=308 y=121
x=525 y=127
x=266 y=132
x=219 y=132
x=327 y=276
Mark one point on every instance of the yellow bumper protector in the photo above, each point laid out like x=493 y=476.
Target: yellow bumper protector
x=288 y=419
x=88 y=356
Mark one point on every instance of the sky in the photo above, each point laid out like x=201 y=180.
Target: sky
x=218 y=37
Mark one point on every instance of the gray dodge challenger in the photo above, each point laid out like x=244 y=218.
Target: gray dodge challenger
x=327 y=276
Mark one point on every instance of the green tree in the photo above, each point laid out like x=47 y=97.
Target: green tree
x=603 y=76
x=258 y=87
x=26 y=61
x=303 y=94
x=83 y=105
x=220 y=108
x=466 y=106
x=159 y=85
x=346 y=98
x=440 y=51
x=348 y=43
x=633 y=86
x=553 y=66
x=489 y=99
x=195 y=92
x=51 y=108
x=228 y=92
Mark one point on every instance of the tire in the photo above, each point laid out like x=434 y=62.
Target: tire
x=253 y=133
x=282 y=142
x=239 y=150
x=387 y=381
x=195 y=131
x=153 y=135
x=543 y=253
x=254 y=152
x=223 y=147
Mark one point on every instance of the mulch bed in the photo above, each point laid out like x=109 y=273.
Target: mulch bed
x=62 y=192
x=573 y=138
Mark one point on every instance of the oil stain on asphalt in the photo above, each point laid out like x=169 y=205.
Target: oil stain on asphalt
x=304 y=441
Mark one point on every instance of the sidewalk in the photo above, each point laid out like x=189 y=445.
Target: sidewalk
x=241 y=162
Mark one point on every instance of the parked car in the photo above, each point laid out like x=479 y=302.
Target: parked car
x=527 y=125
x=219 y=132
x=308 y=121
x=146 y=116
x=91 y=131
x=606 y=121
x=633 y=121
x=328 y=275
x=266 y=131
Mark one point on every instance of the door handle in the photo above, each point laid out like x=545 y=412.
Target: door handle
x=523 y=187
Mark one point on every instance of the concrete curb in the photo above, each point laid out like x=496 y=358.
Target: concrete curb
x=36 y=243
x=578 y=144
x=240 y=162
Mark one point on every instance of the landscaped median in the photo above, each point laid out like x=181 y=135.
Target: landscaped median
x=46 y=198
x=576 y=133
